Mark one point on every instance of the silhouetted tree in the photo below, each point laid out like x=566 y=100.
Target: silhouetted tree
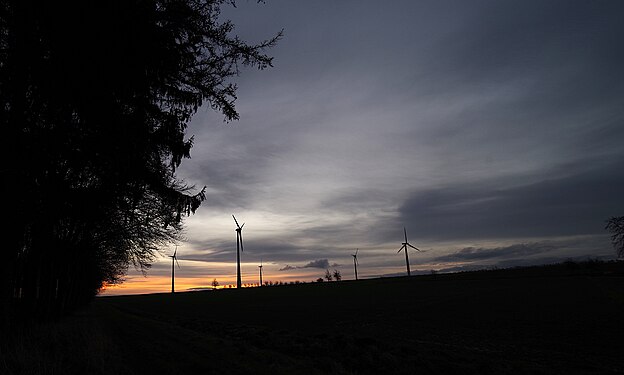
x=328 y=275
x=215 y=284
x=337 y=275
x=95 y=101
x=319 y=280
x=615 y=225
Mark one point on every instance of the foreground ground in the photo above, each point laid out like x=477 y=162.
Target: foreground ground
x=490 y=322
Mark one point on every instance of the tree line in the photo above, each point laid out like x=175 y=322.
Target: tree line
x=95 y=102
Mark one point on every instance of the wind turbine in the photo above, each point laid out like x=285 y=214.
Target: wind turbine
x=260 y=267
x=405 y=245
x=173 y=259
x=239 y=248
x=355 y=262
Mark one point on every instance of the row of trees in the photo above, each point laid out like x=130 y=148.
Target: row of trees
x=329 y=276
x=215 y=284
x=95 y=101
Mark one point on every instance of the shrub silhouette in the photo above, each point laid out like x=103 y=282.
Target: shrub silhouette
x=337 y=275
x=328 y=275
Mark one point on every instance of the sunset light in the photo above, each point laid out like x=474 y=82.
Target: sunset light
x=353 y=187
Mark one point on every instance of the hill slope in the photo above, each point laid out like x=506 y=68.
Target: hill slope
x=470 y=323
x=538 y=320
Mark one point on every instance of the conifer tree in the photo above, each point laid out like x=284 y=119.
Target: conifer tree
x=95 y=98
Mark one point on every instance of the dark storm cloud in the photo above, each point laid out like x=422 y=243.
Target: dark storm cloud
x=519 y=263
x=549 y=73
x=320 y=263
x=501 y=38
x=528 y=253
x=513 y=251
x=577 y=204
x=443 y=44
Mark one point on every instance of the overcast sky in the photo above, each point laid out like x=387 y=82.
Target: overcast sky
x=491 y=130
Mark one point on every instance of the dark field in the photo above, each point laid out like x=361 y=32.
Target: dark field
x=537 y=320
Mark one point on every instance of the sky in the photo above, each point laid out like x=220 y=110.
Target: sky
x=491 y=130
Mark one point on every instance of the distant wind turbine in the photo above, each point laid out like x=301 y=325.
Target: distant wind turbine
x=173 y=259
x=355 y=262
x=260 y=267
x=404 y=247
x=239 y=248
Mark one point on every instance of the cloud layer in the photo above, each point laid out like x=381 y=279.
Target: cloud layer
x=320 y=263
x=486 y=128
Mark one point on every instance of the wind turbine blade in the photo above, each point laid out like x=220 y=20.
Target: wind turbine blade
x=241 y=227
x=405 y=233
x=241 y=240
x=236 y=221
x=176 y=259
x=356 y=251
x=175 y=252
x=414 y=247
x=401 y=249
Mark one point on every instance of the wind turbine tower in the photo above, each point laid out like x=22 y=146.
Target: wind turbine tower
x=174 y=259
x=355 y=262
x=239 y=248
x=404 y=247
x=260 y=267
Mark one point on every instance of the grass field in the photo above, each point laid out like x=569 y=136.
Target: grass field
x=537 y=320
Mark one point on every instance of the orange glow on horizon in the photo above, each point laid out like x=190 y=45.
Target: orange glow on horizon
x=158 y=284
x=162 y=284
x=200 y=275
